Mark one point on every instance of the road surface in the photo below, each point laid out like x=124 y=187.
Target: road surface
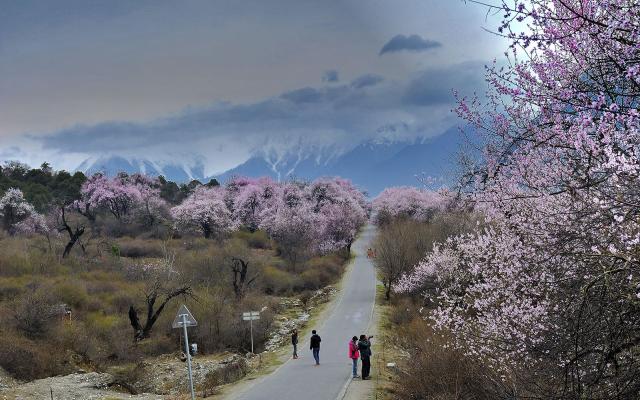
x=300 y=379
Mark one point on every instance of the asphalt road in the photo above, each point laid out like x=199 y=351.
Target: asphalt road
x=300 y=379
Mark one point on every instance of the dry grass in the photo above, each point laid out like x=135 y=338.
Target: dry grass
x=98 y=288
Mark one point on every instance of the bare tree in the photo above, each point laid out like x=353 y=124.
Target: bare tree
x=402 y=243
x=74 y=233
x=159 y=291
x=395 y=252
x=240 y=269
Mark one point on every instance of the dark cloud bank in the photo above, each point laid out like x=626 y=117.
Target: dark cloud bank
x=413 y=43
x=350 y=113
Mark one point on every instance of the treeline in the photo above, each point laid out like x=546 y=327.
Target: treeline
x=43 y=186
x=316 y=217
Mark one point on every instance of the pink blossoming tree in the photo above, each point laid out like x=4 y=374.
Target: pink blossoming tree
x=407 y=202
x=18 y=216
x=549 y=292
x=205 y=211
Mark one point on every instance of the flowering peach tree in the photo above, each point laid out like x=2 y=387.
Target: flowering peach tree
x=548 y=292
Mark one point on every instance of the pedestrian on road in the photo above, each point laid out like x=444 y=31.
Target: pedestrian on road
x=354 y=354
x=315 y=346
x=364 y=345
x=294 y=342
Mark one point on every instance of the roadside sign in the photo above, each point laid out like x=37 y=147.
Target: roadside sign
x=184 y=318
x=251 y=316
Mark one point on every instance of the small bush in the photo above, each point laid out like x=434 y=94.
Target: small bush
x=137 y=248
x=256 y=240
x=35 y=313
x=72 y=293
x=221 y=376
x=277 y=281
x=10 y=288
x=436 y=371
x=29 y=360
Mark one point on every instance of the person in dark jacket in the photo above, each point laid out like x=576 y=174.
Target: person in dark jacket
x=364 y=345
x=294 y=342
x=315 y=346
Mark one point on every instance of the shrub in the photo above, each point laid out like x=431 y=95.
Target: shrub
x=100 y=324
x=257 y=240
x=72 y=293
x=322 y=271
x=34 y=313
x=277 y=281
x=137 y=248
x=221 y=376
x=29 y=360
x=435 y=371
x=10 y=288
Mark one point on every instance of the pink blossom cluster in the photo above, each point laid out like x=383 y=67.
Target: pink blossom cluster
x=19 y=216
x=123 y=196
x=407 y=202
x=324 y=215
x=205 y=211
x=553 y=280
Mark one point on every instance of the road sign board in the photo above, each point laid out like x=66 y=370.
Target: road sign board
x=251 y=316
x=184 y=318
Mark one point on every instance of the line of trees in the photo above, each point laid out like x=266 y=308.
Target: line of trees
x=305 y=218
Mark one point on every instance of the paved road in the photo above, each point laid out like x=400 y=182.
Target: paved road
x=300 y=379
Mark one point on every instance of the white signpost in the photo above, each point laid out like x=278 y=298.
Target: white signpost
x=184 y=319
x=251 y=316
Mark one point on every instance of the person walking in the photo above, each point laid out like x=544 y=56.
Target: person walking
x=354 y=354
x=294 y=342
x=315 y=346
x=364 y=345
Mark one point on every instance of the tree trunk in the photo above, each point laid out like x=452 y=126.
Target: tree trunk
x=143 y=332
x=72 y=241
x=387 y=289
x=74 y=235
x=240 y=270
x=207 y=231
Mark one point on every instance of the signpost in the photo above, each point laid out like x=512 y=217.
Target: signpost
x=184 y=319
x=251 y=316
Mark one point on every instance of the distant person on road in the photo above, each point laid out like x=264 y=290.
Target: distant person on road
x=354 y=354
x=294 y=342
x=315 y=346
x=364 y=345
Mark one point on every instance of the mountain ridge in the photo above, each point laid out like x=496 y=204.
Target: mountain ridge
x=371 y=165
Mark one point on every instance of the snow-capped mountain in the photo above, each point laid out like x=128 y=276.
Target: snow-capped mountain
x=372 y=165
x=114 y=164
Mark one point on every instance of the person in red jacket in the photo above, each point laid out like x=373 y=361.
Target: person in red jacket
x=354 y=354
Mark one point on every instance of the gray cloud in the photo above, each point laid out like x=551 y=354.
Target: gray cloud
x=366 y=80
x=330 y=76
x=436 y=85
x=414 y=43
x=338 y=116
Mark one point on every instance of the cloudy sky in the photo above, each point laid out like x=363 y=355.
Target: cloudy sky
x=216 y=81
